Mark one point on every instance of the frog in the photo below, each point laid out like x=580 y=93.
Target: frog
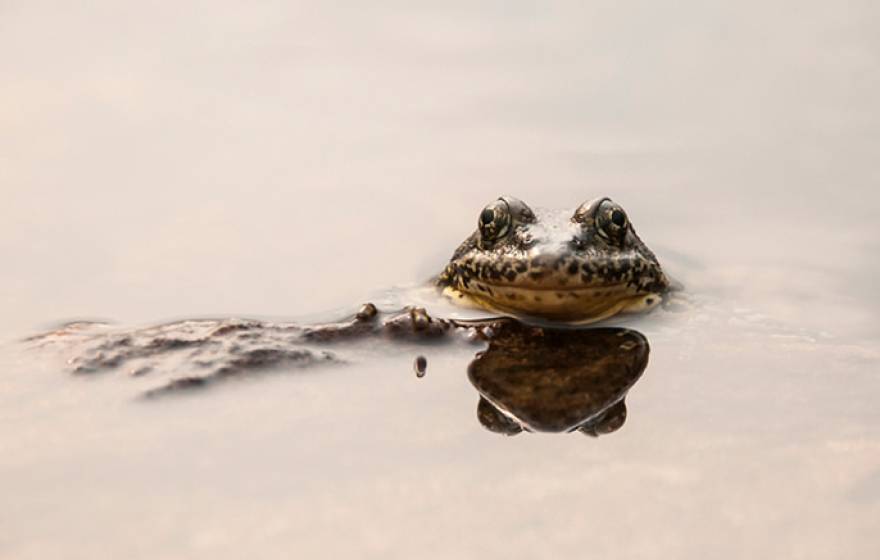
x=576 y=268
x=538 y=276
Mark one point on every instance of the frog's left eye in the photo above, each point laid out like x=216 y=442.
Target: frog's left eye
x=611 y=220
x=494 y=221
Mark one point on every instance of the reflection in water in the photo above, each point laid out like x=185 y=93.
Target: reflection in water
x=530 y=378
x=420 y=366
x=556 y=380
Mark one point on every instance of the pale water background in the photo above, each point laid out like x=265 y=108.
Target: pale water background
x=190 y=159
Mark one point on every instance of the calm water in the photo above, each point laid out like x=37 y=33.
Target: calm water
x=287 y=160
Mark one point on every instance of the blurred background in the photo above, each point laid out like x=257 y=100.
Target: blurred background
x=189 y=159
x=165 y=160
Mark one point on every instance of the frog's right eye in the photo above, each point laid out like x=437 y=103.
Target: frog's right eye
x=494 y=221
x=611 y=221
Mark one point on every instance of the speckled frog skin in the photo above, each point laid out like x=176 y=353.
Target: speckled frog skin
x=576 y=267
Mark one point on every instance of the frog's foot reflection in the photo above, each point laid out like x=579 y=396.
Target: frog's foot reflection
x=557 y=380
x=609 y=421
x=496 y=421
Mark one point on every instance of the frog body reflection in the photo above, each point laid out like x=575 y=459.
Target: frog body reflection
x=557 y=380
x=532 y=378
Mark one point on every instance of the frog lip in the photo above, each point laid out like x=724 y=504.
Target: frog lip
x=569 y=287
x=582 y=307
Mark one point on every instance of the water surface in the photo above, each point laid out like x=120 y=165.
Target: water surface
x=290 y=161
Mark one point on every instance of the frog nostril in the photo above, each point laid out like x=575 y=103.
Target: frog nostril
x=525 y=239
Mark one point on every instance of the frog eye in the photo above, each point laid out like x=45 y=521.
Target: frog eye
x=519 y=210
x=611 y=221
x=494 y=221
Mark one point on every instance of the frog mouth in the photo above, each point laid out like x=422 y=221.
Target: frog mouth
x=579 y=304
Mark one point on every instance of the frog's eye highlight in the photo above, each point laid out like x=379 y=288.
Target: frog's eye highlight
x=611 y=221
x=494 y=221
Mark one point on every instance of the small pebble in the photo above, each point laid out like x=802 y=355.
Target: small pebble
x=420 y=365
